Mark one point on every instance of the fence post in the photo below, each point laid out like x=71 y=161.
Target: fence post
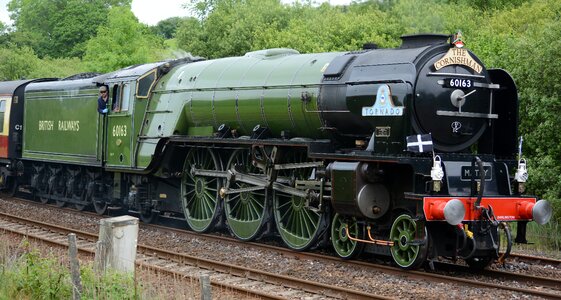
x=74 y=267
x=205 y=287
x=100 y=258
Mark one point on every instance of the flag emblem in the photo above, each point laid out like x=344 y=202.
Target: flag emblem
x=419 y=143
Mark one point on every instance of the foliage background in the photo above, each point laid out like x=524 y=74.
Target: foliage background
x=520 y=36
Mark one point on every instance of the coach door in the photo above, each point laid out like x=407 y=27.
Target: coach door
x=119 y=125
x=5 y=102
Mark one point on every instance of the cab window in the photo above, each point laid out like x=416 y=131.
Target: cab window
x=145 y=84
x=125 y=96
x=116 y=98
x=121 y=97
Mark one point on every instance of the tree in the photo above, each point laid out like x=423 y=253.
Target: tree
x=202 y=8
x=167 y=28
x=17 y=63
x=231 y=26
x=58 y=28
x=332 y=29
x=121 y=42
x=189 y=36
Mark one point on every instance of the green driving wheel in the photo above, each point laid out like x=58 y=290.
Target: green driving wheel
x=343 y=245
x=248 y=211
x=408 y=252
x=199 y=194
x=298 y=225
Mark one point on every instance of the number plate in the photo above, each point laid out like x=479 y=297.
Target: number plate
x=458 y=83
x=466 y=173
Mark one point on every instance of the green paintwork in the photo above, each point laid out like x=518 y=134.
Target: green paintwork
x=121 y=132
x=261 y=88
x=298 y=225
x=199 y=194
x=343 y=245
x=62 y=125
x=402 y=233
x=246 y=212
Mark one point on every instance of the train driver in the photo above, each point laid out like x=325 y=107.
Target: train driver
x=102 y=100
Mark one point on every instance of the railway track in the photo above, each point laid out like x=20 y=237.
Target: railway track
x=535 y=260
x=551 y=284
x=244 y=280
x=538 y=286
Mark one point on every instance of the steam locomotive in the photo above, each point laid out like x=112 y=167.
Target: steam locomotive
x=409 y=152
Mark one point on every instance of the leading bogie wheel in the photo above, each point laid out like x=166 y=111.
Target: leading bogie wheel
x=247 y=212
x=343 y=230
x=408 y=251
x=199 y=193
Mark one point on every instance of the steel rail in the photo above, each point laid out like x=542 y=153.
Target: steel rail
x=535 y=259
x=546 y=282
x=180 y=258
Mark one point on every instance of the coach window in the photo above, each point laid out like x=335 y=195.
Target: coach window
x=2 y=112
x=145 y=84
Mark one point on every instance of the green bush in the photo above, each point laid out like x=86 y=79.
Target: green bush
x=36 y=278
x=32 y=276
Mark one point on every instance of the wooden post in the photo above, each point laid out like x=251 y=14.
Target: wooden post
x=74 y=267
x=100 y=258
x=205 y=287
x=116 y=248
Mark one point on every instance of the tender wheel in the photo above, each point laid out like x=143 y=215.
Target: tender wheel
x=86 y=201
x=44 y=200
x=77 y=188
x=246 y=212
x=59 y=188
x=42 y=186
x=298 y=225
x=343 y=245
x=80 y=207
x=100 y=206
x=408 y=251
x=199 y=194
